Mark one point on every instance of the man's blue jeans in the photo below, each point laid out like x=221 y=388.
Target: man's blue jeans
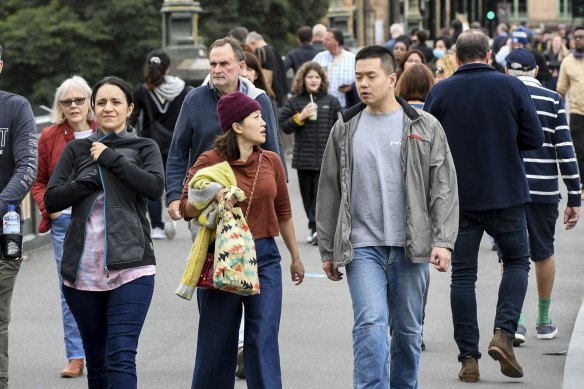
x=110 y=324
x=387 y=293
x=73 y=342
x=509 y=228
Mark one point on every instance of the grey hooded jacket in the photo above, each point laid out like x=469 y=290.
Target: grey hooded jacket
x=430 y=188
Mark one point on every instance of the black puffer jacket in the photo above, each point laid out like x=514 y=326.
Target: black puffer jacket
x=309 y=139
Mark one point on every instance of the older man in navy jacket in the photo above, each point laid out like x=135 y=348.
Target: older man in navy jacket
x=489 y=119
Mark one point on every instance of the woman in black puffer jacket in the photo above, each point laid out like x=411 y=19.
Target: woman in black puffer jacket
x=311 y=126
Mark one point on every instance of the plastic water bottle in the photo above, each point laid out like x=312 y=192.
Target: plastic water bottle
x=11 y=225
x=11 y=221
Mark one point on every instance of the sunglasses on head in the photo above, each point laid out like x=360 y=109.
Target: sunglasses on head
x=439 y=70
x=78 y=101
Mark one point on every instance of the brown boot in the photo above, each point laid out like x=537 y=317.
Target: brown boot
x=501 y=349
x=470 y=370
x=74 y=369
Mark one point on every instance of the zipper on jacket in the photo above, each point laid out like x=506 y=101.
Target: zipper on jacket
x=106 y=270
x=83 y=248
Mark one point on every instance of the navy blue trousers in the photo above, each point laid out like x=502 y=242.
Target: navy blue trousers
x=219 y=319
x=110 y=324
x=509 y=228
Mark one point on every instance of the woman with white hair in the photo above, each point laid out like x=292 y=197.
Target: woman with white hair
x=73 y=118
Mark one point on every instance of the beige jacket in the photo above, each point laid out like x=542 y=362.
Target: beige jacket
x=430 y=188
x=572 y=80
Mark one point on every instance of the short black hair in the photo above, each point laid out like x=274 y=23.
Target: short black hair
x=472 y=45
x=376 y=51
x=577 y=28
x=304 y=34
x=457 y=25
x=338 y=34
x=445 y=39
x=422 y=35
x=406 y=40
x=0 y=51
x=112 y=80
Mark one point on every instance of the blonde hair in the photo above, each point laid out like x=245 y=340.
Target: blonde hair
x=78 y=81
x=448 y=64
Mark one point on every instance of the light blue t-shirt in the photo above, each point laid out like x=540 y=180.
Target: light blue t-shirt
x=377 y=193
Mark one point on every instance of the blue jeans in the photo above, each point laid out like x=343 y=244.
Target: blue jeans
x=155 y=213
x=73 y=342
x=387 y=293
x=219 y=319
x=509 y=228
x=110 y=324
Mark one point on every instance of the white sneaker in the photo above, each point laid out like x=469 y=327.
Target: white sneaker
x=157 y=233
x=311 y=238
x=170 y=230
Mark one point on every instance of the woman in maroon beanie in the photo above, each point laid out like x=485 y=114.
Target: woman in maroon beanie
x=220 y=313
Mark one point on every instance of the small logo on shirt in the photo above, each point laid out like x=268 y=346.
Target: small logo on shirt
x=416 y=136
x=396 y=142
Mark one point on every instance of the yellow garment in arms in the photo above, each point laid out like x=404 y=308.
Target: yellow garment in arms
x=220 y=173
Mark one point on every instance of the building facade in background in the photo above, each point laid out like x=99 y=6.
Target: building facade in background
x=367 y=21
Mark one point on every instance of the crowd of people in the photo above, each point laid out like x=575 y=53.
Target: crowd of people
x=396 y=173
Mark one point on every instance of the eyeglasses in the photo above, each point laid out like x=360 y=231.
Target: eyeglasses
x=78 y=101
x=578 y=37
x=439 y=70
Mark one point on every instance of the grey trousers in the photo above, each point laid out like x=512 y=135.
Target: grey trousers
x=8 y=272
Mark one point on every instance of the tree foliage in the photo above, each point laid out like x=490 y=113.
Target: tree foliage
x=276 y=20
x=46 y=43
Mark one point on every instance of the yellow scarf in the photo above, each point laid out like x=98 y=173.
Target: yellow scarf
x=220 y=173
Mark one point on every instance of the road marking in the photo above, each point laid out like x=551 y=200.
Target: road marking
x=314 y=275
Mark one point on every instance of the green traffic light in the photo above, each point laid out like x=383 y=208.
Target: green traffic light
x=490 y=15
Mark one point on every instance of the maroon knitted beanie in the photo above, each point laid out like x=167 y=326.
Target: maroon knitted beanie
x=234 y=107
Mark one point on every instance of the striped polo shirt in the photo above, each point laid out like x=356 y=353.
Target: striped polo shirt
x=544 y=166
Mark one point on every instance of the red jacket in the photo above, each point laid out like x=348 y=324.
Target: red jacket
x=51 y=144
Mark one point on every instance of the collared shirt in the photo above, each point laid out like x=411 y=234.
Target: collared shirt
x=340 y=70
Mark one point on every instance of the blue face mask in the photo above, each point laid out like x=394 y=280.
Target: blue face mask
x=438 y=53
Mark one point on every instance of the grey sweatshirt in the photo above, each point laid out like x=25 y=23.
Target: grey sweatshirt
x=18 y=150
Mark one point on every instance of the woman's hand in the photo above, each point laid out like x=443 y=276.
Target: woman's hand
x=229 y=202
x=96 y=150
x=297 y=271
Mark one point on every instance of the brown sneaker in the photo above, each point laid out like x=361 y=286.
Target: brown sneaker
x=74 y=369
x=470 y=370
x=501 y=349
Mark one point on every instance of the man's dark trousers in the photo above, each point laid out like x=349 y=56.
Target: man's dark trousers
x=508 y=227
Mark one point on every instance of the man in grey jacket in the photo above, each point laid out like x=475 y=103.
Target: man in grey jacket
x=387 y=205
x=18 y=170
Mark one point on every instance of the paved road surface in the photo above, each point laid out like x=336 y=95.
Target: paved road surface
x=315 y=334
